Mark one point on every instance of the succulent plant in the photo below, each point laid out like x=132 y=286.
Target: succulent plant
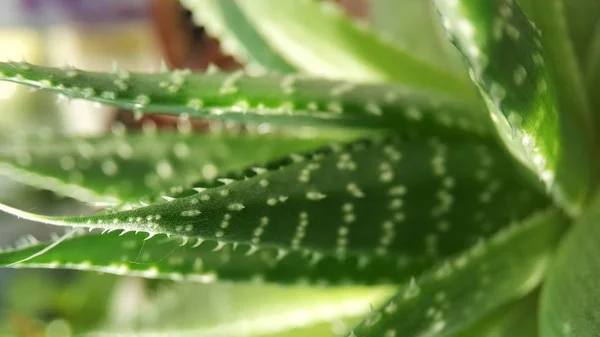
x=360 y=162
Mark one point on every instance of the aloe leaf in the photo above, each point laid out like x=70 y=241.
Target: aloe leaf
x=291 y=100
x=296 y=30
x=551 y=18
x=510 y=67
x=193 y=259
x=224 y=20
x=251 y=310
x=517 y=319
x=583 y=17
x=414 y=25
x=129 y=167
x=403 y=197
x=477 y=282
x=593 y=71
x=570 y=296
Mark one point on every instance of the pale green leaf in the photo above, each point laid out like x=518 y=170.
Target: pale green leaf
x=290 y=100
x=319 y=38
x=224 y=20
x=414 y=200
x=132 y=167
x=477 y=282
x=512 y=70
x=414 y=25
x=251 y=310
x=570 y=298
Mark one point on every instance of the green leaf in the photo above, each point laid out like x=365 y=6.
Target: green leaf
x=570 y=297
x=475 y=283
x=583 y=17
x=192 y=259
x=513 y=320
x=410 y=199
x=510 y=67
x=129 y=167
x=318 y=38
x=592 y=65
x=414 y=25
x=551 y=17
x=251 y=310
x=291 y=100
x=224 y=20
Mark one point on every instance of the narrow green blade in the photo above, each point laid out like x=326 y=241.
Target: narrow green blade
x=479 y=281
x=410 y=199
x=133 y=167
x=509 y=65
x=570 y=297
x=192 y=259
x=289 y=100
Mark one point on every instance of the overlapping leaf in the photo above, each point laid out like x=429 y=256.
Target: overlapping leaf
x=509 y=64
x=129 y=167
x=251 y=310
x=477 y=282
x=318 y=38
x=570 y=295
x=517 y=319
x=415 y=26
x=291 y=100
x=403 y=197
x=224 y=20
x=191 y=259
x=551 y=18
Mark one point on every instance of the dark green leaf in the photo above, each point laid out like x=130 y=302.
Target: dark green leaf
x=476 y=283
x=551 y=18
x=583 y=17
x=411 y=199
x=511 y=68
x=177 y=258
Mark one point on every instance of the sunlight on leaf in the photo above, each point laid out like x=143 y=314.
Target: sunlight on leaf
x=251 y=310
x=296 y=30
x=289 y=100
x=224 y=20
x=511 y=68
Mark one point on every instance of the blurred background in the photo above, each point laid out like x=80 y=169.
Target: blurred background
x=94 y=35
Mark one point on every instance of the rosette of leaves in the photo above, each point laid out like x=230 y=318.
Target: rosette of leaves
x=363 y=162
